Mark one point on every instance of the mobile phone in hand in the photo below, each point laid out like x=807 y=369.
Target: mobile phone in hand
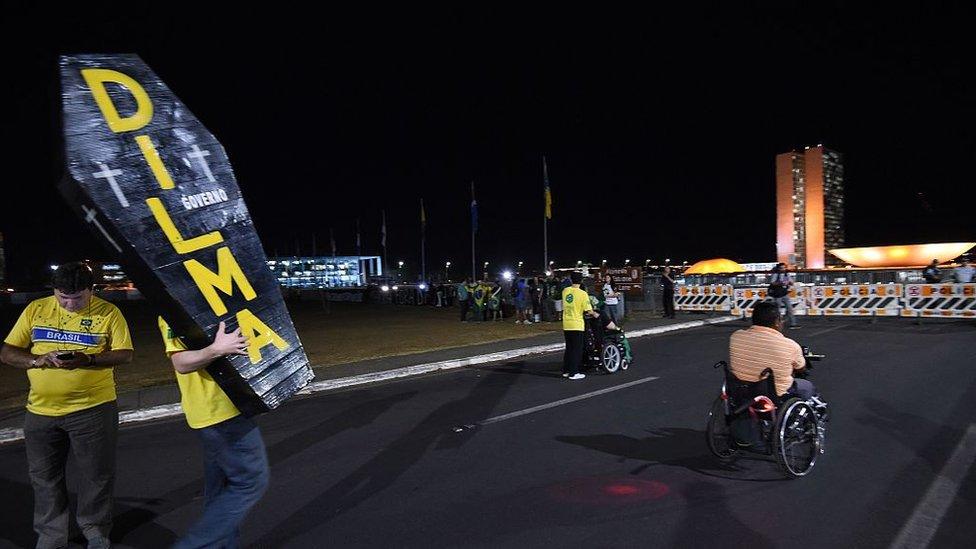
x=65 y=356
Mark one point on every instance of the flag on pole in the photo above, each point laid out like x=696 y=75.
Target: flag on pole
x=474 y=211
x=383 y=230
x=545 y=179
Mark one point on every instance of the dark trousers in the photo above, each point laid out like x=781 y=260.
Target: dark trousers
x=235 y=477
x=574 y=352
x=465 y=305
x=667 y=298
x=90 y=436
x=802 y=388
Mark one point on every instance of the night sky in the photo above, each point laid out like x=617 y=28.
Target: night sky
x=660 y=129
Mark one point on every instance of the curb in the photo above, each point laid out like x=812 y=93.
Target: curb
x=171 y=410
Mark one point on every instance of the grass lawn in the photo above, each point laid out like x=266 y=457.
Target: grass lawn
x=348 y=332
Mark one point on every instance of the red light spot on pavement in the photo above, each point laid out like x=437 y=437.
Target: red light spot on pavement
x=606 y=491
x=622 y=490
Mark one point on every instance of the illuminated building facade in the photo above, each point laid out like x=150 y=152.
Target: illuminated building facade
x=809 y=206
x=325 y=272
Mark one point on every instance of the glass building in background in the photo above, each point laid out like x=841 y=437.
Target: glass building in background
x=809 y=206
x=325 y=271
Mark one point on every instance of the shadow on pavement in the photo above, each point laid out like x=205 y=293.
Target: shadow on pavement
x=398 y=457
x=141 y=517
x=678 y=447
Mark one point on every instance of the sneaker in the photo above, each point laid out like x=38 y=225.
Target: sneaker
x=575 y=377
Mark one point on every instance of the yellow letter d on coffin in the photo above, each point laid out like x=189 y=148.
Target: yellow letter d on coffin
x=96 y=79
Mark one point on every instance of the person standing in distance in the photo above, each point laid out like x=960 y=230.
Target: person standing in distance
x=576 y=304
x=964 y=272
x=611 y=298
x=779 y=290
x=464 y=298
x=667 y=292
x=69 y=343
x=932 y=273
x=235 y=464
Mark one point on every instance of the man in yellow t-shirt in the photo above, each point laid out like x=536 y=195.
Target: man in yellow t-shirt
x=68 y=343
x=235 y=461
x=576 y=306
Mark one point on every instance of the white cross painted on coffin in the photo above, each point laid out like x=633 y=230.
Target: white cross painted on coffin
x=90 y=214
x=202 y=154
x=110 y=176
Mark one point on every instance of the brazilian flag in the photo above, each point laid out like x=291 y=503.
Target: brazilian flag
x=479 y=298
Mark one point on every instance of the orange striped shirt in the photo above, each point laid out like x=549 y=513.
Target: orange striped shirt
x=753 y=350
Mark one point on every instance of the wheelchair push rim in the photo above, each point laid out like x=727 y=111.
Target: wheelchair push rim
x=611 y=358
x=718 y=434
x=796 y=439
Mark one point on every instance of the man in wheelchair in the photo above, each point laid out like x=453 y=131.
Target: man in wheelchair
x=766 y=406
x=601 y=334
x=762 y=346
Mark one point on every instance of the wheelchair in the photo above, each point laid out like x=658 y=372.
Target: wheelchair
x=606 y=349
x=750 y=417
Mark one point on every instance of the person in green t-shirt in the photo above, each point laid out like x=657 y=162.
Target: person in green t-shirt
x=464 y=298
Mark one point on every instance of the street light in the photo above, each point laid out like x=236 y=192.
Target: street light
x=604 y=261
x=401 y=264
x=626 y=262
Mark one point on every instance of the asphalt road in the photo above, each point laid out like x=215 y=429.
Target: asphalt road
x=445 y=461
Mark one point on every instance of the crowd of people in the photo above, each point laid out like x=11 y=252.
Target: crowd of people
x=530 y=300
x=961 y=274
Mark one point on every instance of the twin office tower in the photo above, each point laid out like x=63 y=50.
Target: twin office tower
x=809 y=207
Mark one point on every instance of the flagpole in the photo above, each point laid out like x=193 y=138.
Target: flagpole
x=359 y=255
x=546 y=212
x=384 y=239
x=423 y=243
x=474 y=272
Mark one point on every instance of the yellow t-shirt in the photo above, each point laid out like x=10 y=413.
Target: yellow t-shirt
x=45 y=326
x=575 y=303
x=204 y=402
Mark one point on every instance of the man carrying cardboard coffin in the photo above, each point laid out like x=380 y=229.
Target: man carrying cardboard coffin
x=68 y=343
x=235 y=461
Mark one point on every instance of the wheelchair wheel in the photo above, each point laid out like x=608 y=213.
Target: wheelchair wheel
x=796 y=442
x=612 y=359
x=717 y=431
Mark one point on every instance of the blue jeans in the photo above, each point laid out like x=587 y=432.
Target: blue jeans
x=785 y=302
x=235 y=477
